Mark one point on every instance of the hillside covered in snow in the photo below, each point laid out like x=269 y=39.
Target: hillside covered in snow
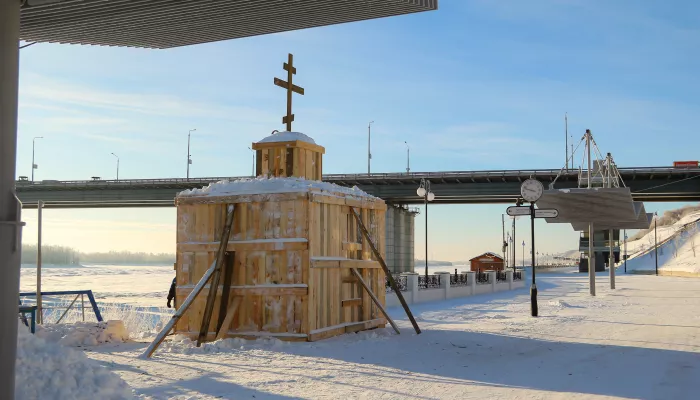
x=678 y=238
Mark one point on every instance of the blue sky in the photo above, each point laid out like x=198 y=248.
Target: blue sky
x=475 y=85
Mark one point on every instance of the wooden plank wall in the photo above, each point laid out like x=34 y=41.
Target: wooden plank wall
x=262 y=257
x=289 y=161
x=336 y=298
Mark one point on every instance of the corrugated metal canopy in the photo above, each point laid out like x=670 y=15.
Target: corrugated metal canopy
x=171 y=23
x=599 y=205
x=643 y=221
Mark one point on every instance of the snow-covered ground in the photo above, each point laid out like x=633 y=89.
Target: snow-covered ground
x=132 y=284
x=678 y=252
x=640 y=341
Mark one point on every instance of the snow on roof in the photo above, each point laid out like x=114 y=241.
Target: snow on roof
x=490 y=254
x=265 y=185
x=287 y=136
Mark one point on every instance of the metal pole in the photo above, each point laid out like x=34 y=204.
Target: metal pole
x=369 y=142
x=625 y=232
x=188 y=155
x=591 y=260
x=612 y=262
x=588 y=147
x=426 y=233
x=503 y=238
x=408 y=159
x=33 y=143
x=656 y=247
x=82 y=305
x=39 y=309
x=10 y=208
x=523 y=254
x=514 y=244
x=566 y=134
x=533 y=288
x=189 y=161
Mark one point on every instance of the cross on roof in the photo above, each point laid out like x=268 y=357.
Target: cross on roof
x=291 y=70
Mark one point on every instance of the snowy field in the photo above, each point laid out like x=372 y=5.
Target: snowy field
x=138 y=285
x=640 y=341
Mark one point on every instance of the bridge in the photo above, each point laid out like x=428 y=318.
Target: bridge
x=649 y=184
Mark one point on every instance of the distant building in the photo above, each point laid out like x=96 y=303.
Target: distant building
x=487 y=262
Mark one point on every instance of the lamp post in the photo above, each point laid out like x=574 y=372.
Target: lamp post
x=656 y=246
x=625 y=232
x=424 y=192
x=369 y=142
x=252 y=170
x=189 y=160
x=523 y=254
x=117 y=165
x=34 y=166
x=408 y=158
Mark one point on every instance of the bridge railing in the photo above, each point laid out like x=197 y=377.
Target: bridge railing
x=358 y=177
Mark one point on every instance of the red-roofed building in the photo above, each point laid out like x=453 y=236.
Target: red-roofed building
x=487 y=262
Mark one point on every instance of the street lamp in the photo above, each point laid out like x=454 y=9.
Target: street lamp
x=34 y=166
x=625 y=231
x=253 y=170
x=408 y=158
x=424 y=192
x=117 y=165
x=189 y=160
x=369 y=141
x=656 y=245
x=523 y=254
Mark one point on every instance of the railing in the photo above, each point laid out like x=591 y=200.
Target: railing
x=55 y=305
x=401 y=282
x=501 y=276
x=428 y=282
x=459 y=280
x=341 y=177
x=482 y=278
x=517 y=276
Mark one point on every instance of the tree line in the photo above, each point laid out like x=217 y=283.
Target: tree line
x=62 y=255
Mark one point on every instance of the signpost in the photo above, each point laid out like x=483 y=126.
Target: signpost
x=515 y=211
x=546 y=213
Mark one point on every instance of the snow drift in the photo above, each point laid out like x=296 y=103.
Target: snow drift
x=84 y=333
x=47 y=370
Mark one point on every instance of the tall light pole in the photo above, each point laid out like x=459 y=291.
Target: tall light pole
x=34 y=166
x=117 y=165
x=656 y=245
x=424 y=192
x=625 y=251
x=408 y=158
x=253 y=170
x=523 y=254
x=369 y=143
x=189 y=160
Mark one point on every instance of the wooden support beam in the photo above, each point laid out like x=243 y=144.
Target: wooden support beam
x=211 y=298
x=351 y=302
x=230 y=314
x=344 y=263
x=226 y=290
x=375 y=299
x=392 y=282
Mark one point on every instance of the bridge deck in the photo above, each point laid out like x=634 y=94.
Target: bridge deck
x=455 y=187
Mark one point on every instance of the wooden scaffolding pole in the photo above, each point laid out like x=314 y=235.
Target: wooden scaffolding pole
x=375 y=299
x=190 y=298
x=392 y=282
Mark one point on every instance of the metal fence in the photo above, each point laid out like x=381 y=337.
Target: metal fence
x=401 y=282
x=518 y=276
x=61 y=305
x=482 y=278
x=459 y=280
x=501 y=276
x=428 y=282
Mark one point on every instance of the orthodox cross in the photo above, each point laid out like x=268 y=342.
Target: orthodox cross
x=291 y=70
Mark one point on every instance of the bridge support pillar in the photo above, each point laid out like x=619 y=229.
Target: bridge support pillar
x=10 y=239
x=400 y=239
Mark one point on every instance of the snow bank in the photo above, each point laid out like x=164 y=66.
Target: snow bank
x=84 y=333
x=287 y=136
x=181 y=344
x=47 y=370
x=681 y=252
x=262 y=185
